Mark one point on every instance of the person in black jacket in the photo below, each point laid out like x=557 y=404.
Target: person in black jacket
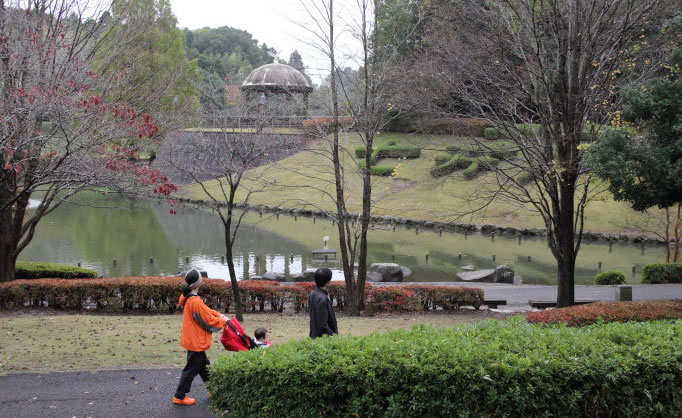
x=322 y=317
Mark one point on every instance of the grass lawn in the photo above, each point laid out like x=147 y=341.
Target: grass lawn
x=299 y=180
x=35 y=340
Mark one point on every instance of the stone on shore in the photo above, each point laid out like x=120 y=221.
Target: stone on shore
x=390 y=272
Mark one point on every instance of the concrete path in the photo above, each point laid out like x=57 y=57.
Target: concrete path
x=520 y=294
x=121 y=394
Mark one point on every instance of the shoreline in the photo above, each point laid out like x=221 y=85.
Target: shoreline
x=488 y=229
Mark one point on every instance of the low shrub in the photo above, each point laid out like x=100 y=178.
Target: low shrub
x=378 y=170
x=662 y=273
x=160 y=294
x=40 y=270
x=524 y=178
x=456 y=162
x=487 y=162
x=489 y=369
x=397 y=151
x=471 y=171
x=581 y=315
x=445 y=297
x=360 y=152
x=390 y=299
x=610 y=277
x=501 y=149
x=490 y=133
x=453 y=126
x=442 y=158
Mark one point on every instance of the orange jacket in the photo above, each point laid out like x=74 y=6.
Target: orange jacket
x=198 y=321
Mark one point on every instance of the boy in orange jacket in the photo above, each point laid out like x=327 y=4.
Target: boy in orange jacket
x=198 y=322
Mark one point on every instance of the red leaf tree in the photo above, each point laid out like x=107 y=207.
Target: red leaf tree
x=59 y=131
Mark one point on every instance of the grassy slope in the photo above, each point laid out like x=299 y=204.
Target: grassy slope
x=37 y=341
x=413 y=193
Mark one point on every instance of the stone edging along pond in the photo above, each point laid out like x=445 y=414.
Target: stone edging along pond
x=444 y=226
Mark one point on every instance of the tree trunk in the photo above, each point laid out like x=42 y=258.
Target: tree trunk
x=233 y=277
x=8 y=245
x=666 y=235
x=7 y=260
x=565 y=233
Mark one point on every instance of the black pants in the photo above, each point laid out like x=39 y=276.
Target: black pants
x=197 y=364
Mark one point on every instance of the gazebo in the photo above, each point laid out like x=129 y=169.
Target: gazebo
x=276 y=79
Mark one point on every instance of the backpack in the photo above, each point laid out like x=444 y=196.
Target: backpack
x=234 y=338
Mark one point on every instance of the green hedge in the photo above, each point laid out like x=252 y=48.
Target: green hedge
x=40 y=270
x=378 y=170
x=456 y=162
x=610 y=277
x=442 y=158
x=662 y=273
x=492 y=369
x=524 y=178
x=397 y=151
x=471 y=171
x=490 y=133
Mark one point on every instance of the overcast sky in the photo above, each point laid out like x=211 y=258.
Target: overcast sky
x=269 y=21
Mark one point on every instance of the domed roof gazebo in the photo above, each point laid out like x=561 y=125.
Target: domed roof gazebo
x=276 y=79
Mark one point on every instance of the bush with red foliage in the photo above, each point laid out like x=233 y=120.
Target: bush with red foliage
x=390 y=299
x=446 y=297
x=588 y=314
x=160 y=294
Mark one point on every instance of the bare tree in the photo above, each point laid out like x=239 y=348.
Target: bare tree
x=220 y=161
x=547 y=74
x=59 y=133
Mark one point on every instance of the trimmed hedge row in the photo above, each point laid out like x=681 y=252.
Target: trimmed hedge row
x=492 y=369
x=39 y=270
x=389 y=151
x=582 y=315
x=456 y=162
x=662 y=273
x=160 y=294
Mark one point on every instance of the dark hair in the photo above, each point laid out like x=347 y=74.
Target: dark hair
x=323 y=276
x=259 y=333
x=191 y=277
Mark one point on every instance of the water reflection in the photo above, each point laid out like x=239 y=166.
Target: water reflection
x=144 y=238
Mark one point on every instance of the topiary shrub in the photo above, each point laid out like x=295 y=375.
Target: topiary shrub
x=442 y=158
x=490 y=133
x=360 y=152
x=489 y=369
x=378 y=170
x=40 y=270
x=662 y=273
x=397 y=151
x=471 y=171
x=456 y=162
x=610 y=277
x=501 y=149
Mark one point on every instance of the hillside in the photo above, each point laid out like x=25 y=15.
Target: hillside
x=299 y=180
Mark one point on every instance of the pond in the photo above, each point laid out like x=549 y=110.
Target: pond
x=117 y=237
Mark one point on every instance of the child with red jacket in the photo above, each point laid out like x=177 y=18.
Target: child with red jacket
x=198 y=322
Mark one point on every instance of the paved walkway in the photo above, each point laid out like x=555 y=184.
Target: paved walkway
x=119 y=394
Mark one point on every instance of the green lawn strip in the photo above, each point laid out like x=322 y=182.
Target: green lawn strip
x=414 y=193
x=47 y=341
